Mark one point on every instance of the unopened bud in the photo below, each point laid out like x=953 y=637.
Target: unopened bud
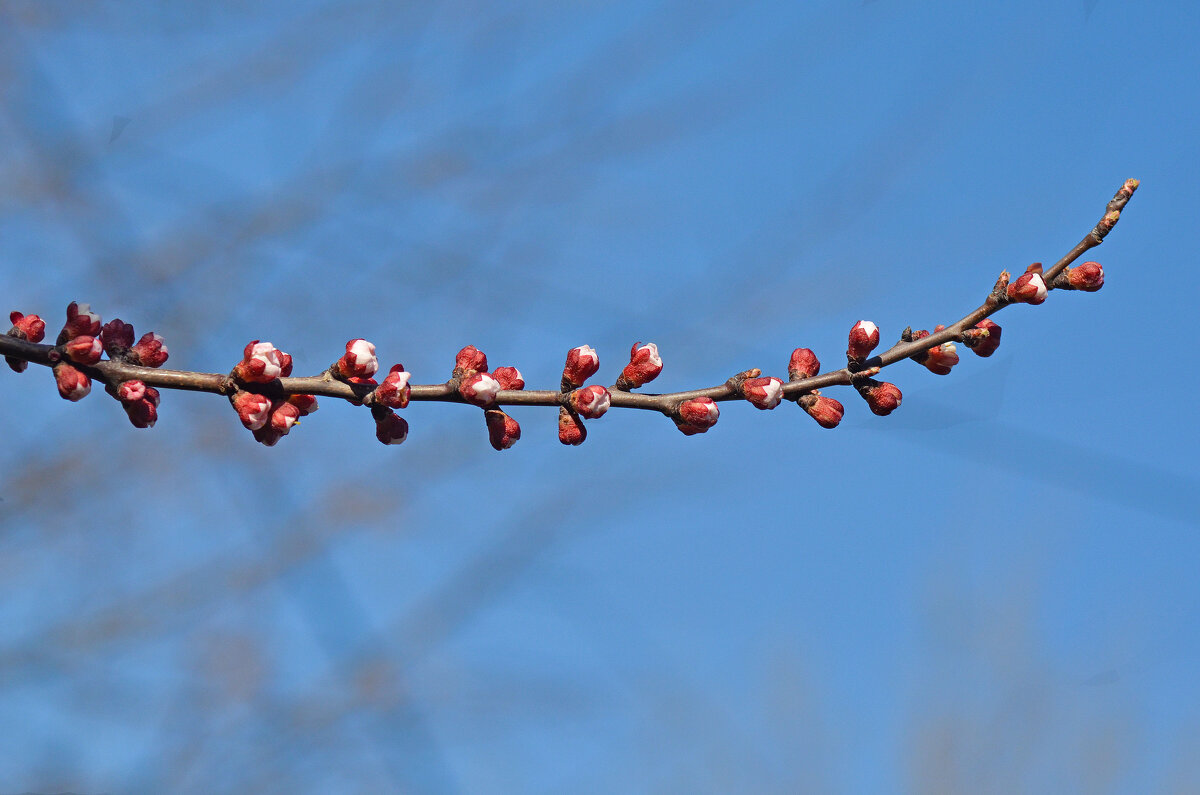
x=825 y=410
x=1088 y=277
x=390 y=427
x=570 y=428
x=590 y=402
x=582 y=364
x=72 y=384
x=864 y=337
x=262 y=363
x=252 y=409
x=1030 y=288
x=394 y=391
x=84 y=349
x=470 y=360
x=803 y=364
x=117 y=336
x=151 y=351
x=503 y=430
x=358 y=361
x=882 y=398
x=80 y=320
x=143 y=413
x=763 y=393
x=645 y=364
x=509 y=378
x=987 y=345
x=479 y=389
x=696 y=415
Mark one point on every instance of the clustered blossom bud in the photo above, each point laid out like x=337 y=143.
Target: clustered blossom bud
x=938 y=360
x=252 y=409
x=479 y=389
x=390 y=427
x=1029 y=288
x=262 y=363
x=1088 y=277
x=570 y=428
x=590 y=402
x=394 y=391
x=882 y=398
x=470 y=360
x=763 y=393
x=84 y=349
x=150 y=351
x=582 y=364
x=863 y=339
x=117 y=336
x=72 y=384
x=358 y=361
x=30 y=328
x=503 y=430
x=509 y=378
x=803 y=364
x=644 y=366
x=985 y=345
x=140 y=403
x=826 y=411
x=696 y=415
x=81 y=320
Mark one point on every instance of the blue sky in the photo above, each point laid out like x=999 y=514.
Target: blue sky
x=993 y=589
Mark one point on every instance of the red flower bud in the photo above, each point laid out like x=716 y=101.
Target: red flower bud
x=150 y=350
x=358 y=361
x=80 y=320
x=882 y=398
x=284 y=415
x=252 y=409
x=590 y=402
x=803 y=364
x=1030 y=288
x=509 y=378
x=863 y=339
x=826 y=411
x=143 y=413
x=390 y=428
x=470 y=360
x=696 y=415
x=262 y=363
x=72 y=384
x=84 y=349
x=503 y=430
x=582 y=364
x=940 y=359
x=117 y=336
x=305 y=404
x=394 y=391
x=986 y=346
x=570 y=428
x=1088 y=277
x=644 y=366
x=30 y=328
x=267 y=435
x=131 y=391
x=479 y=390
x=764 y=393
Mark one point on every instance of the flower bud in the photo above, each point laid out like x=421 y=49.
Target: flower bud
x=479 y=390
x=150 y=351
x=394 y=391
x=284 y=414
x=986 y=346
x=644 y=366
x=803 y=364
x=863 y=339
x=252 y=409
x=696 y=415
x=509 y=378
x=117 y=336
x=84 y=349
x=1030 y=288
x=358 y=361
x=764 y=393
x=390 y=428
x=940 y=359
x=1088 y=277
x=72 y=384
x=503 y=430
x=826 y=411
x=143 y=413
x=81 y=320
x=470 y=360
x=590 y=402
x=582 y=364
x=305 y=404
x=262 y=363
x=570 y=428
x=131 y=391
x=267 y=435
x=30 y=328
x=882 y=398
